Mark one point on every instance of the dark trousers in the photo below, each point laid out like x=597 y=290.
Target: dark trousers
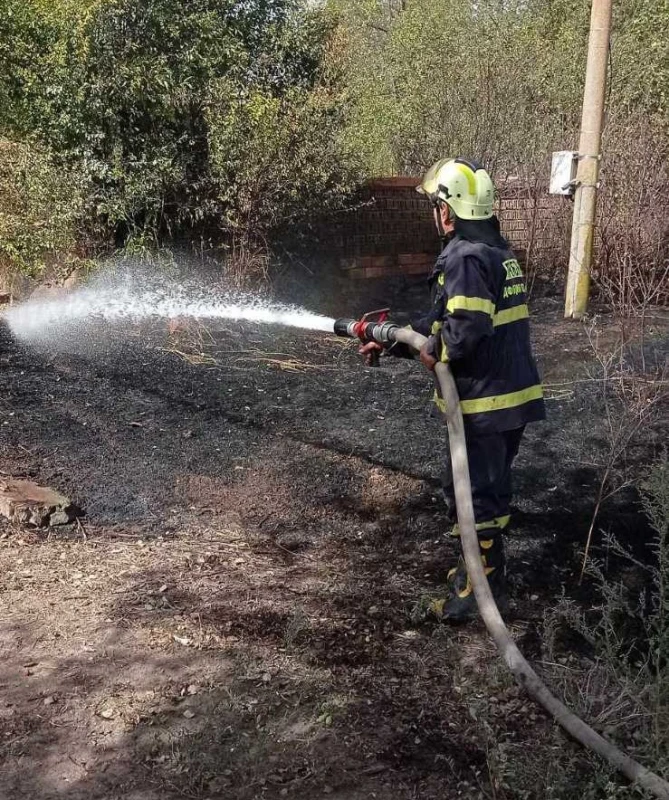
x=490 y=459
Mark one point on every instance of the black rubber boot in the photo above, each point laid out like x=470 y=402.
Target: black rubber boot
x=461 y=605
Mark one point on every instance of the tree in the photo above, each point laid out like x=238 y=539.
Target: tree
x=170 y=108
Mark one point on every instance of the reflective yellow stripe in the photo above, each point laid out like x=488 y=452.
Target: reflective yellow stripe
x=461 y=303
x=441 y=280
x=498 y=522
x=510 y=315
x=469 y=176
x=440 y=403
x=464 y=593
x=499 y=401
x=436 y=327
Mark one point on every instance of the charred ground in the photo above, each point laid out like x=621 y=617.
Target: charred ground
x=233 y=617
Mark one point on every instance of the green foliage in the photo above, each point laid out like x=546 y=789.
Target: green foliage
x=640 y=56
x=273 y=157
x=40 y=208
x=209 y=119
x=501 y=81
x=173 y=111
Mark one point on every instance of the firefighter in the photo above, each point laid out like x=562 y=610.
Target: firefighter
x=479 y=324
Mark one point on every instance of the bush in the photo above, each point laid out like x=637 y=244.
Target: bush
x=40 y=210
x=421 y=91
x=189 y=120
x=632 y=267
x=277 y=160
x=623 y=688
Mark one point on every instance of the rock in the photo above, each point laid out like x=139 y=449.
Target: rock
x=59 y=518
x=29 y=504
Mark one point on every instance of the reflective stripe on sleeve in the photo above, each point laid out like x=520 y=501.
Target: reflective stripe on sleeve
x=480 y=405
x=462 y=303
x=510 y=315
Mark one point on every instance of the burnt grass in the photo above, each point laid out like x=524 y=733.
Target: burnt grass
x=233 y=616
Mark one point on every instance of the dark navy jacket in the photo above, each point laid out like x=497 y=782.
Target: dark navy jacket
x=479 y=317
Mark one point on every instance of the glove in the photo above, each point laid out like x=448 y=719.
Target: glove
x=428 y=352
x=371 y=352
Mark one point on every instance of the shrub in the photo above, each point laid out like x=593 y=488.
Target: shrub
x=40 y=210
x=190 y=120
x=622 y=689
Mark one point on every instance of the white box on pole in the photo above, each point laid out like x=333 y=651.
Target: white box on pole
x=563 y=172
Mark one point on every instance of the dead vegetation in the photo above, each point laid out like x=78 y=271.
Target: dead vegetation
x=633 y=389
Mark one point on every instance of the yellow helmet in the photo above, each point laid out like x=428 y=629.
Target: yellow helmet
x=466 y=187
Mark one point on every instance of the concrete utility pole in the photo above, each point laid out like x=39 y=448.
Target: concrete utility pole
x=585 y=198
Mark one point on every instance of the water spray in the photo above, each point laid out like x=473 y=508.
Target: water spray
x=129 y=300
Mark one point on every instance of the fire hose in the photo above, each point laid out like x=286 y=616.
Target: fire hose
x=379 y=330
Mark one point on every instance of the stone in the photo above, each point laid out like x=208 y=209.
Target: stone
x=27 y=503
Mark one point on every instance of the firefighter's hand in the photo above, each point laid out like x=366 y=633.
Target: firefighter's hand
x=427 y=354
x=370 y=352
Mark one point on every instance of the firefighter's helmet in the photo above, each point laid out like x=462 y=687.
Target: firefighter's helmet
x=464 y=185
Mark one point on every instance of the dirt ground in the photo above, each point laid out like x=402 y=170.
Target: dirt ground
x=232 y=617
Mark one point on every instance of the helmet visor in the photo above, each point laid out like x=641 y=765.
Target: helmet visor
x=430 y=183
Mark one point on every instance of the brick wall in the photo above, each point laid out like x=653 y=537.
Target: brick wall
x=536 y=224
x=391 y=231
